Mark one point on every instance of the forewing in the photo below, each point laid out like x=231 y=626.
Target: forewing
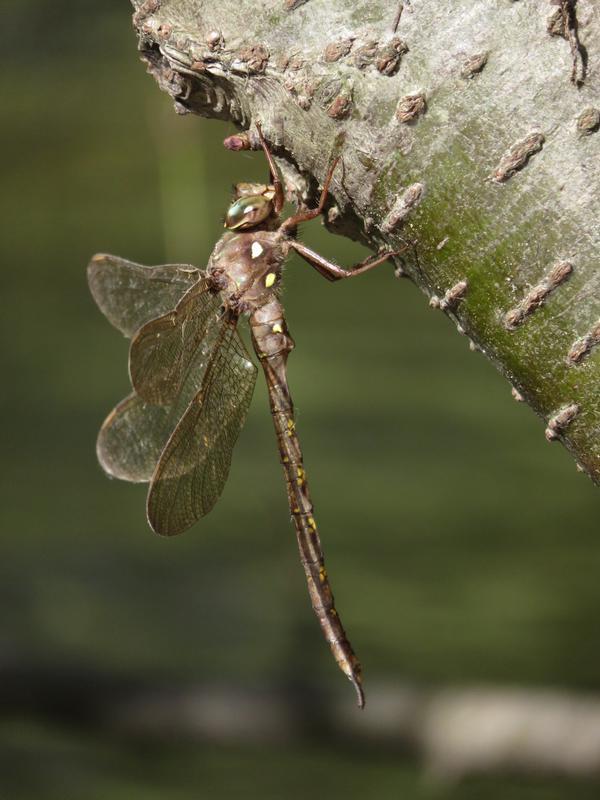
x=195 y=463
x=129 y=295
x=163 y=350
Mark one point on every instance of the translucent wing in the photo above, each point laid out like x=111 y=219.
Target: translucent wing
x=132 y=438
x=163 y=349
x=194 y=465
x=130 y=294
x=135 y=433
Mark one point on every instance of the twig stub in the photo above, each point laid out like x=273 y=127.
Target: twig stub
x=255 y=57
x=341 y=107
x=582 y=347
x=390 y=55
x=538 y=294
x=517 y=156
x=410 y=107
x=588 y=121
x=560 y=421
x=408 y=200
x=473 y=65
x=336 y=50
x=452 y=296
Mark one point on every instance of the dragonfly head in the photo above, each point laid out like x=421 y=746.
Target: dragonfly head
x=252 y=204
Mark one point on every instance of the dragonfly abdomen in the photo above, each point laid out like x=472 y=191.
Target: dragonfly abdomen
x=273 y=344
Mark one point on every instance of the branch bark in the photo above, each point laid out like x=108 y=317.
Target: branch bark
x=467 y=128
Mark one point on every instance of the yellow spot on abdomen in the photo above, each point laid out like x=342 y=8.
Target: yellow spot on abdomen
x=270 y=280
x=277 y=328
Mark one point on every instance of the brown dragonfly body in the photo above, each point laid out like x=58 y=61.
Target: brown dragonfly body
x=193 y=379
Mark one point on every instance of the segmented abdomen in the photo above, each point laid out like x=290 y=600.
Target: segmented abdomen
x=273 y=343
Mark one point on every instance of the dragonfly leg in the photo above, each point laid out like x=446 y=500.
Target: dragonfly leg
x=278 y=200
x=332 y=271
x=310 y=213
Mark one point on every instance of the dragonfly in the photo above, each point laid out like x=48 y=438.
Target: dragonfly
x=193 y=378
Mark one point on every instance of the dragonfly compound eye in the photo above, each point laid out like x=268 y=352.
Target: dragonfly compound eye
x=248 y=212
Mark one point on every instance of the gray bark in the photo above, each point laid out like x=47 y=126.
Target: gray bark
x=470 y=132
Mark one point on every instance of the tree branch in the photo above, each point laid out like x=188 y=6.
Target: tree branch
x=459 y=130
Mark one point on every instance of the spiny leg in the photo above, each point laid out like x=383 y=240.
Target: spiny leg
x=327 y=268
x=275 y=180
x=332 y=271
x=310 y=213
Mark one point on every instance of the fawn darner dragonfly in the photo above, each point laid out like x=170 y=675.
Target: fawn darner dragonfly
x=193 y=379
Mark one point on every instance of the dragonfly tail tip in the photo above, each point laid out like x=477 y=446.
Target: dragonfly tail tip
x=360 y=695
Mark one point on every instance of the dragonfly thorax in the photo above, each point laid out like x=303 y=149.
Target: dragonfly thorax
x=246 y=268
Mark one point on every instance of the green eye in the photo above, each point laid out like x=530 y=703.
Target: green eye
x=248 y=212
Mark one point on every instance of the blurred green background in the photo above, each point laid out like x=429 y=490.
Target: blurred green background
x=463 y=549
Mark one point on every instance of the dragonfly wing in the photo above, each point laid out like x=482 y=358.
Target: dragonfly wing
x=130 y=294
x=135 y=433
x=194 y=465
x=132 y=438
x=163 y=350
